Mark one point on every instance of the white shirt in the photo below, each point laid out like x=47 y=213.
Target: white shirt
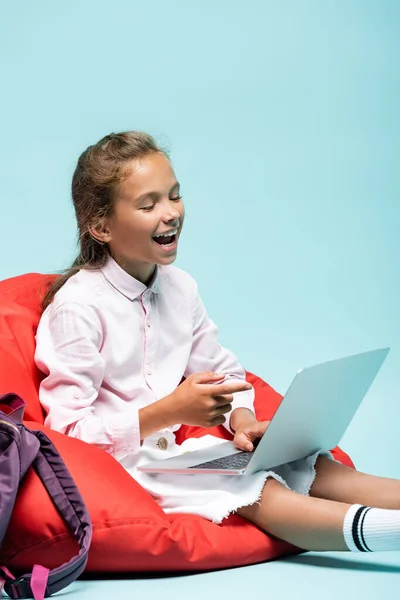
x=109 y=345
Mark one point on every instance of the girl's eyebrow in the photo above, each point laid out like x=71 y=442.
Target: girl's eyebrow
x=154 y=195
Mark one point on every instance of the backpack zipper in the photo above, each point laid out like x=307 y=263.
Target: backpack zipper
x=2 y=422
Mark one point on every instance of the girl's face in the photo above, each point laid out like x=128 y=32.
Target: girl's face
x=147 y=203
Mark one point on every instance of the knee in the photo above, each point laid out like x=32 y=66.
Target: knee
x=274 y=491
x=272 y=494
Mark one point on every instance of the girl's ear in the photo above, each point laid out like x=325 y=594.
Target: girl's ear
x=100 y=231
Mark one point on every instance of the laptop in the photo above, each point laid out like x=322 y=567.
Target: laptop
x=313 y=416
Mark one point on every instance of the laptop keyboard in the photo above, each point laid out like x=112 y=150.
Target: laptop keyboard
x=240 y=460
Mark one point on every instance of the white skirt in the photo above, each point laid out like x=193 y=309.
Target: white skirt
x=213 y=497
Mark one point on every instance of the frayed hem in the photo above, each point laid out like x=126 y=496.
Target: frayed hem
x=311 y=478
x=313 y=472
x=269 y=474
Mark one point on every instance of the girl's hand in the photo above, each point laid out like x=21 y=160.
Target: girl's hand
x=202 y=400
x=247 y=433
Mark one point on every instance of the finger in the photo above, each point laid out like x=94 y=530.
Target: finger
x=230 y=387
x=243 y=443
x=217 y=421
x=222 y=410
x=252 y=434
x=223 y=399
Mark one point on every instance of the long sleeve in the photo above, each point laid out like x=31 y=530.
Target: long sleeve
x=68 y=343
x=208 y=355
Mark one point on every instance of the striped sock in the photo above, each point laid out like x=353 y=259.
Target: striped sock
x=367 y=529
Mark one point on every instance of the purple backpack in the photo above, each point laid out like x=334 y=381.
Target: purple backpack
x=21 y=448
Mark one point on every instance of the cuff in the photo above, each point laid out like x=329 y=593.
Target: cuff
x=243 y=399
x=126 y=434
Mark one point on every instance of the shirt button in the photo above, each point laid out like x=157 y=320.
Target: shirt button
x=149 y=372
x=162 y=443
x=148 y=324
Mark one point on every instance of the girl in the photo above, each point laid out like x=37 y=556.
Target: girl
x=123 y=326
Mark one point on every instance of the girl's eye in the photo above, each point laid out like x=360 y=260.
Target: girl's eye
x=149 y=208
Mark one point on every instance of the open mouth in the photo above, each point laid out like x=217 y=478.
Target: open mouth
x=165 y=240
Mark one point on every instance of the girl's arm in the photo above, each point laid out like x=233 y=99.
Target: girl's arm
x=68 y=343
x=207 y=355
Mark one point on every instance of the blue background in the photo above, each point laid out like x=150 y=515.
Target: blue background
x=282 y=119
x=283 y=125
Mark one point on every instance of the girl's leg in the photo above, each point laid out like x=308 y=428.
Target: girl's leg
x=309 y=523
x=340 y=483
x=357 y=512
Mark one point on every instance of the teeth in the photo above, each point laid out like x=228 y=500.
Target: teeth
x=173 y=232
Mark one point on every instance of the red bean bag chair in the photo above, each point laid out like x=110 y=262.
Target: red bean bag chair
x=130 y=531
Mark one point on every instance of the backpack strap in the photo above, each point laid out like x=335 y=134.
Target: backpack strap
x=15 y=404
x=69 y=502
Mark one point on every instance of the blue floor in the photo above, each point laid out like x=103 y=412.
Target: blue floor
x=312 y=576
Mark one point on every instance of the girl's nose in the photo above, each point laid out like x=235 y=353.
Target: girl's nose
x=173 y=215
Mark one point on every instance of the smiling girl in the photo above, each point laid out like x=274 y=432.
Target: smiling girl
x=124 y=326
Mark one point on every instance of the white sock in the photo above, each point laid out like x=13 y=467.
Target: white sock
x=368 y=529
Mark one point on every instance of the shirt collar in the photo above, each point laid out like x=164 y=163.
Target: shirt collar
x=125 y=283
